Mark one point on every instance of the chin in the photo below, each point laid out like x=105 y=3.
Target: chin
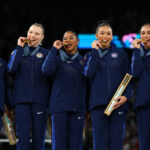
x=33 y=45
x=68 y=50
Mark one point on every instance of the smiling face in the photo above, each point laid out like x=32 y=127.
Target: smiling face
x=104 y=36
x=71 y=41
x=35 y=35
x=145 y=35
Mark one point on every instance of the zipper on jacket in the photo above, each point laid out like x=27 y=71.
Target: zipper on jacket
x=32 y=78
x=108 y=78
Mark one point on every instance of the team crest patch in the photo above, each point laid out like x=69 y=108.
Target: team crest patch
x=114 y=55
x=39 y=55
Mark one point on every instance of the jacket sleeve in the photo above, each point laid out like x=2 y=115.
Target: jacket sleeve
x=90 y=63
x=136 y=63
x=129 y=89
x=8 y=97
x=128 y=93
x=15 y=59
x=51 y=63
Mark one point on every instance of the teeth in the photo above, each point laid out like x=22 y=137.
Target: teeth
x=104 y=41
x=64 y=43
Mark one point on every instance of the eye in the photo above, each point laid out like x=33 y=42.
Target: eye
x=71 y=38
x=108 y=33
x=142 y=33
x=30 y=32
x=37 y=33
x=101 y=33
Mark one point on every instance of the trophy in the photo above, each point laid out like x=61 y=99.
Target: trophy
x=9 y=128
x=118 y=93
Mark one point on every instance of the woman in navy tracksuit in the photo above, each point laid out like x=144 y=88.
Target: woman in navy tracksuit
x=141 y=71
x=67 y=101
x=2 y=87
x=31 y=90
x=105 y=67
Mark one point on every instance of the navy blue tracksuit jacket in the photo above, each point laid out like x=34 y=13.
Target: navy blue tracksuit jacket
x=105 y=75
x=30 y=86
x=141 y=70
x=69 y=86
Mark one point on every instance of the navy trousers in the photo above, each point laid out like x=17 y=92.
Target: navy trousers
x=143 y=122
x=67 y=130
x=30 y=124
x=108 y=132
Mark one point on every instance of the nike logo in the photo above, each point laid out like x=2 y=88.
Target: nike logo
x=39 y=113
x=120 y=112
x=68 y=62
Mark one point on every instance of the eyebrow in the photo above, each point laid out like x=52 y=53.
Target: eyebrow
x=145 y=31
x=105 y=31
x=69 y=36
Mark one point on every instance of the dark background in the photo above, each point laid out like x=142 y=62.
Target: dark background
x=81 y=17
x=60 y=16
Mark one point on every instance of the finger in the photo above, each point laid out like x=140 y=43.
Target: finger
x=64 y=43
x=117 y=105
x=95 y=42
x=57 y=43
x=139 y=42
x=23 y=39
x=60 y=43
x=94 y=45
x=118 y=98
x=98 y=44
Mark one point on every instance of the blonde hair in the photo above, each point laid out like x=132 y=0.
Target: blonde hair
x=39 y=25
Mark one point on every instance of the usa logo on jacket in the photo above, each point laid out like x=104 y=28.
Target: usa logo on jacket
x=39 y=55
x=114 y=55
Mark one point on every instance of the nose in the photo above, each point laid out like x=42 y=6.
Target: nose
x=32 y=35
x=67 y=39
x=104 y=35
